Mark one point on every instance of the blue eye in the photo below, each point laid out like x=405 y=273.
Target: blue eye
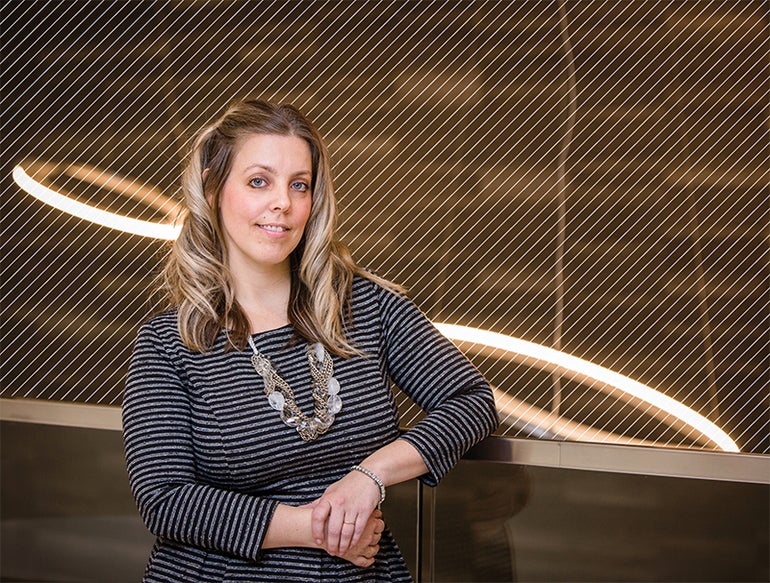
x=300 y=186
x=257 y=182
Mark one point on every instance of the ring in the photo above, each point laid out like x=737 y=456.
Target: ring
x=346 y=522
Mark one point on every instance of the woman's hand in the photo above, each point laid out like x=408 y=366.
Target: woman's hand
x=362 y=553
x=344 y=512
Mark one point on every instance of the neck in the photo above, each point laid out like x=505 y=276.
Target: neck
x=264 y=297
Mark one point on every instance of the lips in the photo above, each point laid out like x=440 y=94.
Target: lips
x=274 y=228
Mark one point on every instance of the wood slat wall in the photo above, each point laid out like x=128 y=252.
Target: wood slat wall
x=445 y=121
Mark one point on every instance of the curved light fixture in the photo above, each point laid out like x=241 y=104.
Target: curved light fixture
x=664 y=408
x=676 y=414
x=150 y=196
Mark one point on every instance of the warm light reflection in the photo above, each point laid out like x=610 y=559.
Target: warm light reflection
x=536 y=422
x=67 y=204
x=676 y=414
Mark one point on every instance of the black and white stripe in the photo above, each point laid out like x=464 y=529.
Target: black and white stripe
x=208 y=459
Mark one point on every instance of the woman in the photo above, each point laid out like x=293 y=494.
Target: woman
x=259 y=423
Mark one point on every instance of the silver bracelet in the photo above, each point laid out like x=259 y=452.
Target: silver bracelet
x=376 y=479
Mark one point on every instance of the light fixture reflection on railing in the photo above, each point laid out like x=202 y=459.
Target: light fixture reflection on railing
x=674 y=413
x=166 y=230
x=533 y=421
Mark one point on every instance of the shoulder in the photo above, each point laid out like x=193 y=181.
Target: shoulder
x=376 y=286
x=160 y=334
x=161 y=331
x=364 y=303
x=370 y=292
x=162 y=326
x=391 y=305
x=364 y=288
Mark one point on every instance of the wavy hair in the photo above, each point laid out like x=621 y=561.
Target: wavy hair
x=196 y=278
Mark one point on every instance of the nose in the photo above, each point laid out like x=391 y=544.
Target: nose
x=281 y=199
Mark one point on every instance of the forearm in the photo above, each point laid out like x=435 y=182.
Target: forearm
x=396 y=462
x=205 y=517
x=290 y=527
x=445 y=434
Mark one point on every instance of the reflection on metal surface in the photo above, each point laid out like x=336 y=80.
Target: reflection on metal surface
x=678 y=415
x=103 y=179
x=658 y=461
x=497 y=522
x=612 y=458
x=61 y=413
x=551 y=425
x=489 y=520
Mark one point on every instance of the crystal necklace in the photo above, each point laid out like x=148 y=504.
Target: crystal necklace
x=327 y=402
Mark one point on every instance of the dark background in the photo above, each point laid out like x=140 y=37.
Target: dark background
x=445 y=121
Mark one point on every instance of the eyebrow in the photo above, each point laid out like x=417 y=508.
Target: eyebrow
x=272 y=170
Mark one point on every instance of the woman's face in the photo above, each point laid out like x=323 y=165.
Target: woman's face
x=265 y=202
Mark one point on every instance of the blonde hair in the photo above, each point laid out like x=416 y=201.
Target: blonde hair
x=196 y=278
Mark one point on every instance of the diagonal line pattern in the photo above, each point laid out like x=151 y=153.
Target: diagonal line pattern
x=445 y=121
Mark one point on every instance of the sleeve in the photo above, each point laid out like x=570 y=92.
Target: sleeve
x=160 y=460
x=430 y=369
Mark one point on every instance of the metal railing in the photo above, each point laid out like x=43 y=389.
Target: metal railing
x=656 y=461
x=640 y=481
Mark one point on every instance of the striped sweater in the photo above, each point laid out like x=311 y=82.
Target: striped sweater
x=208 y=458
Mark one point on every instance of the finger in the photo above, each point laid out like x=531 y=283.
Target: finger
x=319 y=517
x=379 y=527
x=347 y=534
x=367 y=557
x=363 y=562
x=335 y=526
x=361 y=528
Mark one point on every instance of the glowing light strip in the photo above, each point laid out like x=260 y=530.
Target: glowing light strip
x=607 y=380
x=150 y=196
x=519 y=350
x=81 y=210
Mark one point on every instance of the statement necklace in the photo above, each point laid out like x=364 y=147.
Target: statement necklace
x=327 y=402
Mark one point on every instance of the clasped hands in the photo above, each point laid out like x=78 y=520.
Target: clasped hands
x=346 y=521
